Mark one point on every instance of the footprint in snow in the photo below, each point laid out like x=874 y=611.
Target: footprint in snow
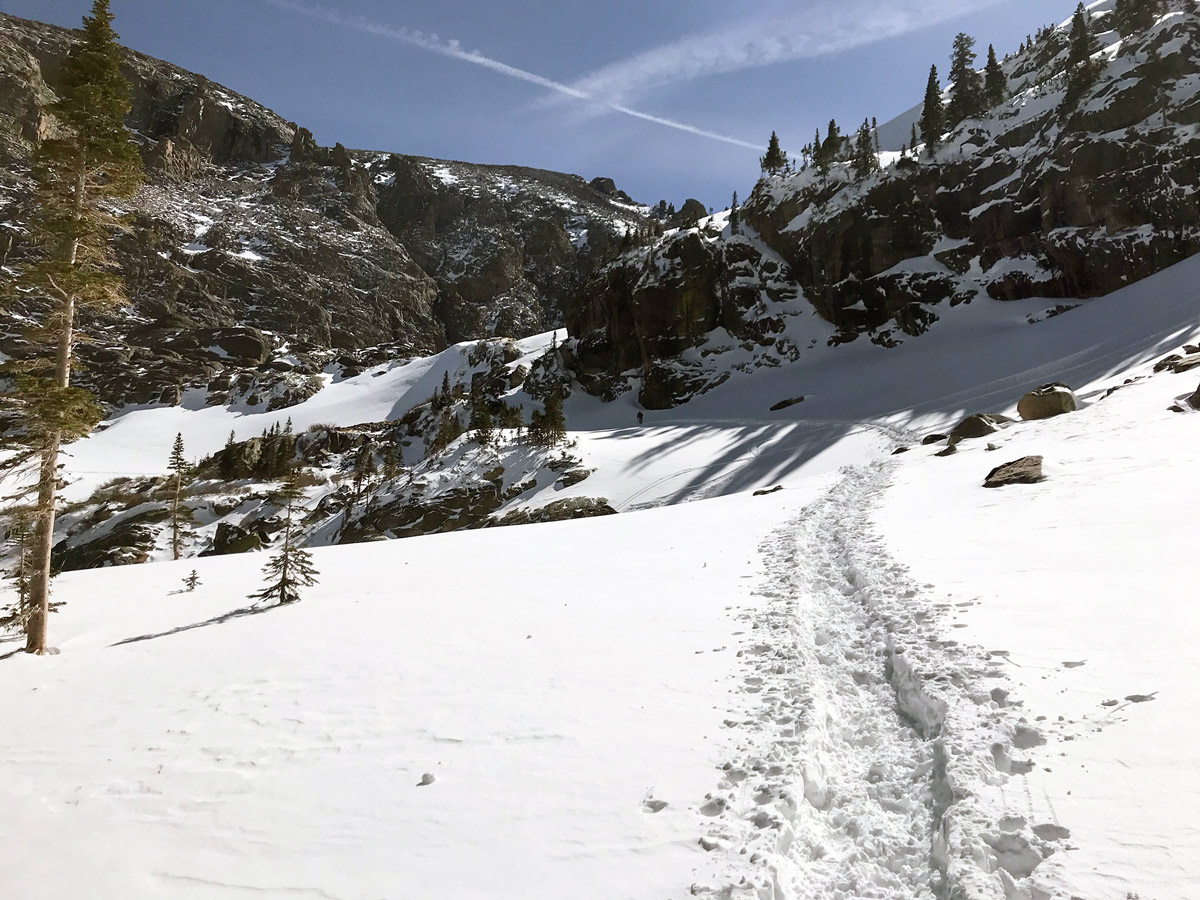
x=654 y=806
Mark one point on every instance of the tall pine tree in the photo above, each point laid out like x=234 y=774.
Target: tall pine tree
x=775 y=160
x=181 y=513
x=90 y=161
x=1082 y=71
x=966 y=100
x=933 y=115
x=995 y=83
x=865 y=161
x=291 y=568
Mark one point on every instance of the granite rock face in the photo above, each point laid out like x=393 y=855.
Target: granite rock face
x=1039 y=197
x=329 y=257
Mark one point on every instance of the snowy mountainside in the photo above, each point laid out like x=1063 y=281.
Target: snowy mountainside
x=255 y=258
x=881 y=681
x=1039 y=197
x=761 y=426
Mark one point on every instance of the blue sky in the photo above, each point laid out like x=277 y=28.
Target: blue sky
x=428 y=76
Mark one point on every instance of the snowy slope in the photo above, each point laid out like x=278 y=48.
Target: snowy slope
x=850 y=687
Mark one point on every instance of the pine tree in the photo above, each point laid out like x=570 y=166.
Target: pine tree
x=191 y=582
x=913 y=140
x=392 y=463
x=181 y=513
x=90 y=160
x=291 y=568
x=1132 y=16
x=364 y=469
x=832 y=147
x=735 y=215
x=966 y=101
x=820 y=163
x=865 y=161
x=550 y=429
x=480 y=425
x=775 y=160
x=995 y=83
x=1082 y=71
x=933 y=115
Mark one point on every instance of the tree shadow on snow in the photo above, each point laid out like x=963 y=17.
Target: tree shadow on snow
x=241 y=613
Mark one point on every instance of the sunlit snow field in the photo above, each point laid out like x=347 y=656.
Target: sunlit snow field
x=580 y=690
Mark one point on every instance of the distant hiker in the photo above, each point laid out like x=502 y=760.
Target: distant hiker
x=639 y=418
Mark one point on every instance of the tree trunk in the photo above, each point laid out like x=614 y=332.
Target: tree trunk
x=43 y=540
x=43 y=544
x=175 y=518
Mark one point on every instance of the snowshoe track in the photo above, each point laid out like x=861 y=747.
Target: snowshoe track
x=843 y=781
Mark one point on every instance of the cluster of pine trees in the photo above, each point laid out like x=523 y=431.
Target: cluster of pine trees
x=973 y=93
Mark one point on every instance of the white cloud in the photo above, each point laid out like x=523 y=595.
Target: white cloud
x=761 y=40
x=453 y=49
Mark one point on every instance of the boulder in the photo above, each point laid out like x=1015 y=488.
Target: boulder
x=1194 y=400
x=232 y=538
x=932 y=439
x=975 y=426
x=1048 y=400
x=1026 y=470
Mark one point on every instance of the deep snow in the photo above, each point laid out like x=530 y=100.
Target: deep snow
x=847 y=688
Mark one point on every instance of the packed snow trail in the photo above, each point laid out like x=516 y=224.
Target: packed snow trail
x=841 y=784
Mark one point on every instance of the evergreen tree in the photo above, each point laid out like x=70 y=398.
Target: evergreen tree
x=89 y=161
x=1132 y=16
x=735 y=215
x=933 y=115
x=775 y=160
x=191 y=582
x=446 y=393
x=364 y=469
x=832 y=146
x=913 y=140
x=1082 y=71
x=291 y=568
x=393 y=462
x=481 y=422
x=966 y=101
x=550 y=429
x=865 y=161
x=995 y=84
x=181 y=513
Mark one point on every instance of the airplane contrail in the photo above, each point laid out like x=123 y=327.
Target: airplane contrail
x=453 y=49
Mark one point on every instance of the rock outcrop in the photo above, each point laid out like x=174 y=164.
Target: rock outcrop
x=1039 y=197
x=332 y=256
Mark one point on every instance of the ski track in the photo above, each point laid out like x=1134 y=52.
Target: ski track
x=864 y=734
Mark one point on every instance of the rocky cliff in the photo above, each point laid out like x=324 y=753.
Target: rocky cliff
x=1040 y=197
x=256 y=260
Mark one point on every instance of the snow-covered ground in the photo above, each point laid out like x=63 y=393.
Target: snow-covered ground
x=883 y=681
